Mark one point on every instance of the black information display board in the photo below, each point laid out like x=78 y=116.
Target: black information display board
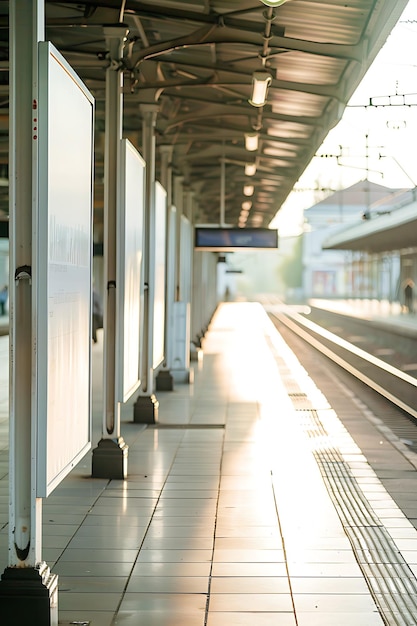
x=230 y=239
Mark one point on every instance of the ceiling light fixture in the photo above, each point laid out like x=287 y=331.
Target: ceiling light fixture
x=273 y=3
x=260 y=83
x=248 y=190
x=246 y=205
x=250 y=169
x=251 y=141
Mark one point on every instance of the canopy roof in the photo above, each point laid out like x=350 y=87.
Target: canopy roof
x=195 y=59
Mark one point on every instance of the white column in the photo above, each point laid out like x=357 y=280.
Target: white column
x=110 y=456
x=26 y=571
x=164 y=380
x=146 y=405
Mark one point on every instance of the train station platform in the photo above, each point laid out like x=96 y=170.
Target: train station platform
x=380 y=312
x=249 y=503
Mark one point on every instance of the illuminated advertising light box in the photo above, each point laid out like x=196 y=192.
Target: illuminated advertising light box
x=62 y=268
x=159 y=247
x=129 y=269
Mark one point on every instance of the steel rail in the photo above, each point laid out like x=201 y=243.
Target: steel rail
x=303 y=328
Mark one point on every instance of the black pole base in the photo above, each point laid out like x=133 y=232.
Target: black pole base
x=29 y=595
x=185 y=376
x=164 y=381
x=196 y=353
x=110 y=459
x=145 y=410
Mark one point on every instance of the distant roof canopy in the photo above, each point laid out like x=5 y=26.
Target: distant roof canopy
x=389 y=223
x=363 y=195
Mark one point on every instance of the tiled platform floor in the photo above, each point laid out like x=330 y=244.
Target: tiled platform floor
x=224 y=519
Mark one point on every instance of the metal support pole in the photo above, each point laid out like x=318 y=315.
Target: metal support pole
x=378 y=281
x=110 y=456
x=391 y=296
x=28 y=590
x=188 y=246
x=197 y=295
x=164 y=380
x=146 y=405
x=222 y=192
x=179 y=204
x=166 y=170
x=369 y=275
x=181 y=358
x=187 y=280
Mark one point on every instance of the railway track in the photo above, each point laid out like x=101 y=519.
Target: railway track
x=346 y=374
x=399 y=387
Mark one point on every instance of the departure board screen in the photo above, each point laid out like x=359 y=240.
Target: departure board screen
x=230 y=239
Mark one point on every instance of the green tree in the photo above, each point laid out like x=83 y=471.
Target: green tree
x=291 y=267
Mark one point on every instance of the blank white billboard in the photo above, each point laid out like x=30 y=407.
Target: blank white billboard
x=64 y=119
x=159 y=287
x=129 y=267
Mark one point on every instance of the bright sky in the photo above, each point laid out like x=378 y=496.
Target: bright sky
x=388 y=134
